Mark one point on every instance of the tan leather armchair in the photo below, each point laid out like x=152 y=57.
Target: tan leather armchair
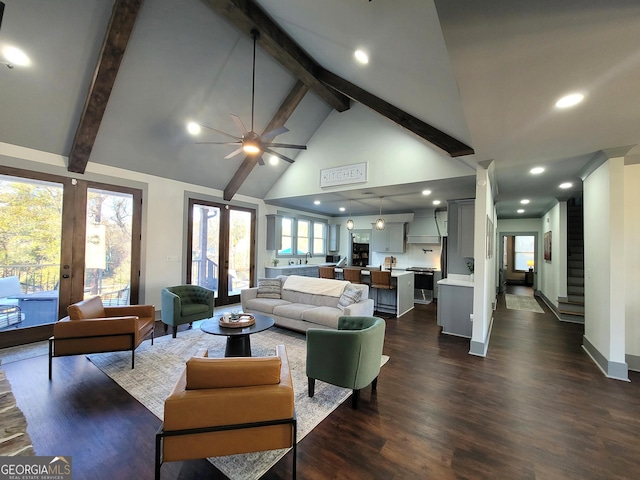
x=226 y=406
x=91 y=327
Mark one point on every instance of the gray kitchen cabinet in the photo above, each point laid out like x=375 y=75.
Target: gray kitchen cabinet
x=274 y=232
x=334 y=238
x=389 y=240
x=302 y=270
x=455 y=306
x=466 y=212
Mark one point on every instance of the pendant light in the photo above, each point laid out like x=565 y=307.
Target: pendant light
x=380 y=221
x=350 y=222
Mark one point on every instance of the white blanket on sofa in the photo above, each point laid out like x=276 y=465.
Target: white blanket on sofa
x=317 y=286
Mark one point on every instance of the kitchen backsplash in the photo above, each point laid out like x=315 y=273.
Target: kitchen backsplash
x=414 y=256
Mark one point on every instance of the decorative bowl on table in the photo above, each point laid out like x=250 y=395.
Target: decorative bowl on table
x=239 y=320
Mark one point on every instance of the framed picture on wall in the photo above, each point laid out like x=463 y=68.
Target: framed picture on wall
x=547 y=246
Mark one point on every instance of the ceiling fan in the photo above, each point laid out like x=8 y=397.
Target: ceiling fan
x=250 y=142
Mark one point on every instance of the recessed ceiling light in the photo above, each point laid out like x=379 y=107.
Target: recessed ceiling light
x=273 y=160
x=317 y=202
x=426 y=192
x=536 y=170
x=15 y=56
x=436 y=202
x=524 y=201
x=361 y=56
x=570 y=100
x=342 y=209
x=521 y=210
x=193 y=128
x=566 y=185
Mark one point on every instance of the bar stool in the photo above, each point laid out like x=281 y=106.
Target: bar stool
x=352 y=275
x=327 y=272
x=381 y=280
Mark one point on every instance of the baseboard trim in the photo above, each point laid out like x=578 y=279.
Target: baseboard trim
x=556 y=312
x=633 y=362
x=480 y=349
x=613 y=370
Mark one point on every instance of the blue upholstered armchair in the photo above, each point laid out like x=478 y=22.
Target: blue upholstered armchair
x=185 y=304
x=348 y=357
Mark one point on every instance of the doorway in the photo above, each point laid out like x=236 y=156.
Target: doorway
x=63 y=240
x=518 y=254
x=221 y=248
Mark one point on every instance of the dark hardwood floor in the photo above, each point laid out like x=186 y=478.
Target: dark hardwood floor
x=535 y=408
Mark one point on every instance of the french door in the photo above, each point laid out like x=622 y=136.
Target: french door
x=63 y=240
x=221 y=248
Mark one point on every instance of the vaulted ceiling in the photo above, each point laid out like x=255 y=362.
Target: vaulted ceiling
x=449 y=84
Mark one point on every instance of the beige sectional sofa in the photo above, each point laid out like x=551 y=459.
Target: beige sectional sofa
x=300 y=303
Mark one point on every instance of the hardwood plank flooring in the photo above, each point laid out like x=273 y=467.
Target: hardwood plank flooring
x=536 y=407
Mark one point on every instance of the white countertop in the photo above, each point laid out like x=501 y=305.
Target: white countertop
x=297 y=265
x=457 y=280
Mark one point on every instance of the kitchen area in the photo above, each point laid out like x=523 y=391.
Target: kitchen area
x=428 y=259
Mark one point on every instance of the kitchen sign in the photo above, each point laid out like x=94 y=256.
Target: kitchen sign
x=356 y=173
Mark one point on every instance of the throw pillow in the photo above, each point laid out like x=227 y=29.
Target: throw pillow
x=350 y=296
x=269 y=288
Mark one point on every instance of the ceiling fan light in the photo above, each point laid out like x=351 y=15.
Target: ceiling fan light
x=350 y=224
x=250 y=148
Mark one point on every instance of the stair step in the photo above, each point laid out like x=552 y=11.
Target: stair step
x=575 y=281
x=575 y=257
x=572 y=289
x=576 y=272
x=579 y=299
x=566 y=312
x=575 y=264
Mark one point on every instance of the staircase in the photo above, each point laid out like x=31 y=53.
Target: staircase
x=571 y=307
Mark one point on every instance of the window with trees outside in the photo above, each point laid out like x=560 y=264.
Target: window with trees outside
x=302 y=235
x=523 y=252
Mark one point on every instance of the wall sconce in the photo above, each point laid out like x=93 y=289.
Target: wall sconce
x=380 y=221
x=350 y=222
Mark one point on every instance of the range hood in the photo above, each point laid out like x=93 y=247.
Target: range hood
x=424 y=228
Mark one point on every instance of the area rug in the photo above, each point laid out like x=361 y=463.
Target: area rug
x=14 y=439
x=523 y=303
x=159 y=366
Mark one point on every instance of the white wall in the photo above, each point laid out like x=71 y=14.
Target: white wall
x=484 y=292
x=553 y=274
x=604 y=240
x=632 y=261
x=346 y=138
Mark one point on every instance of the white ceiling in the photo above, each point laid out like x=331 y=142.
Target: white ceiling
x=484 y=72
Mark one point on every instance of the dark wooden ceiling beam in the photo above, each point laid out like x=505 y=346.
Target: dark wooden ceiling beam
x=246 y=16
x=452 y=146
x=285 y=111
x=120 y=27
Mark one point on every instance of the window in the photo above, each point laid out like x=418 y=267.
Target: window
x=524 y=252
x=302 y=235
x=319 y=238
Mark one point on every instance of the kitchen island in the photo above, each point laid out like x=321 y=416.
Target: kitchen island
x=397 y=301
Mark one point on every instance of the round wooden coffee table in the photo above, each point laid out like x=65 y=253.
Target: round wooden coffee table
x=238 y=339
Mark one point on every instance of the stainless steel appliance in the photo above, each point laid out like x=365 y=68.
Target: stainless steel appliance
x=423 y=284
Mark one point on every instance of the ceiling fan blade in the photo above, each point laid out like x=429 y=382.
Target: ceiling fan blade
x=260 y=160
x=274 y=133
x=239 y=124
x=286 y=145
x=279 y=155
x=220 y=132
x=219 y=143
x=234 y=153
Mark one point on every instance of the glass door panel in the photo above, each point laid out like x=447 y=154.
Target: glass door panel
x=239 y=251
x=108 y=242
x=205 y=247
x=221 y=249
x=30 y=246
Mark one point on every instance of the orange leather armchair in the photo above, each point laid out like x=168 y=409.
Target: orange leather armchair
x=226 y=406
x=91 y=327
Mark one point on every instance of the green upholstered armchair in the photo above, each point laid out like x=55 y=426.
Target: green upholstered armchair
x=185 y=304
x=348 y=357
